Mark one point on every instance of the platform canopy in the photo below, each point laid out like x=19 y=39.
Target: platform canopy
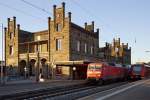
x=71 y=63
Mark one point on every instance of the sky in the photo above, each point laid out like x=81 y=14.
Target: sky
x=127 y=19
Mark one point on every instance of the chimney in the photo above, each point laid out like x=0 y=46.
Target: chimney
x=85 y=24
x=49 y=22
x=69 y=16
x=54 y=11
x=18 y=27
x=63 y=5
x=14 y=18
x=97 y=30
x=119 y=40
x=93 y=26
x=54 y=14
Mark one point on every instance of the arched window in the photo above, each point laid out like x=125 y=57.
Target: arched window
x=11 y=50
x=11 y=35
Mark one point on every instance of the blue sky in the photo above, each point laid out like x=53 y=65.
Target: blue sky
x=127 y=19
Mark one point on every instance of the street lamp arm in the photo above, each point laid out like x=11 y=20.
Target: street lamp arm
x=147 y=51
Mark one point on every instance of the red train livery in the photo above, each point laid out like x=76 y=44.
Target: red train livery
x=106 y=71
x=139 y=71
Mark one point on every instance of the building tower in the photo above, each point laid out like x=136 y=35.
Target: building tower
x=11 y=45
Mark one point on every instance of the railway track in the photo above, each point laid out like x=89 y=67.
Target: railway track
x=31 y=94
x=77 y=92
x=81 y=92
x=63 y=93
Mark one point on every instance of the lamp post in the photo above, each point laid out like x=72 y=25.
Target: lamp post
x=53 y=70
x=25 y=70
x=147 y=51
x=116 y=51
x=2 y=73
x=37 y=68
x=74 y=69
x=38 y=62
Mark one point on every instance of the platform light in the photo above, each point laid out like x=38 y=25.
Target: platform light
x=74 y=68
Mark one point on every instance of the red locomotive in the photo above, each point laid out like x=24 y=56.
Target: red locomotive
x=102 y=71
x=139 y=71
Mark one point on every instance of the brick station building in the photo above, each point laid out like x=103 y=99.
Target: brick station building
x=52 y=52
x=116 y=52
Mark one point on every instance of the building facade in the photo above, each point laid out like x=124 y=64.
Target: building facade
x=50 y=52
x=116 y=52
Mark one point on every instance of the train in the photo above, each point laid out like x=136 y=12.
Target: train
x=102 y=71
x=139 y=71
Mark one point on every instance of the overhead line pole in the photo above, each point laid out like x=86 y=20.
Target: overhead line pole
x=2 y=73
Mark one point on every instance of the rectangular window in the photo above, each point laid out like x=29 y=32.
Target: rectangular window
x=11 y=50
x=92 y=49
x=38 y=38
x=58 y=44
x=78 y=45
x=39 y=48
x=85 y=48
x=58 y=27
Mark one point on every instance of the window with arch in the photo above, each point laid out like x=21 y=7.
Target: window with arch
x=11 y=35
x=11 y=50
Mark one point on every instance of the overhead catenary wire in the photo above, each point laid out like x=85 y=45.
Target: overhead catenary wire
x=20 y=11
x=88 y=12
x=37 y=7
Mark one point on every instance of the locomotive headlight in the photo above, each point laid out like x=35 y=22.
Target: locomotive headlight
x=89 y=72
x=98 y=72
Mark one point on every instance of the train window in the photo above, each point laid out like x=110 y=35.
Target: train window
x=111 y=64
x=91 y=67
x=118 y=65
x=98 y=67
x=137 y=68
